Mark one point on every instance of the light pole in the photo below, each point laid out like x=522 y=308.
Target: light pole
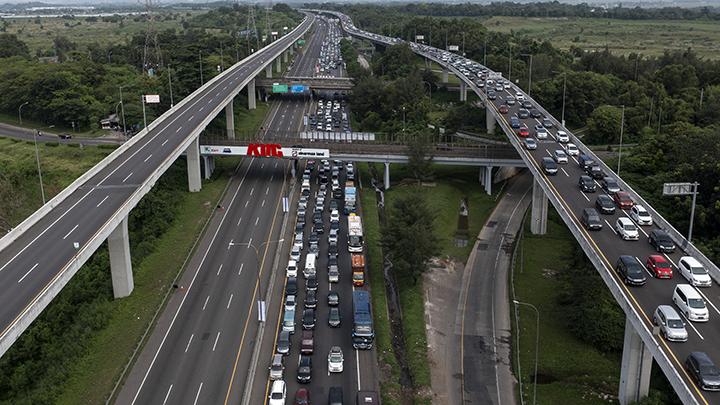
x=509 y=60
x=37 y=159
x=201 y=75
x=530 y=72
x=122 y=109
x=20 y=111
x=403 y=110
x=485 y=51
x=258 y=280
x=537 y=346
x=170 y=84
x=622 y=125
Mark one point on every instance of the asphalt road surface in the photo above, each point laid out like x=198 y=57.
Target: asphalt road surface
x=28 y=134
x=32 y=262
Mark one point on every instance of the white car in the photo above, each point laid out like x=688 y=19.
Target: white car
x=295 y=252
x=291 y=270
x=290 y=303
x=277 y=393
x=530 y=144
x=506 y=84
x=334 y=216
x=694 y=271
x=335 y=360
x=640 y=215
x=562 y=136
x=333 y=236
x=572 y=149
x=560 y=156
x=626 y=229
x=519 y=96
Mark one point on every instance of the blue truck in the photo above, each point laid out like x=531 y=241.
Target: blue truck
x=362 y=333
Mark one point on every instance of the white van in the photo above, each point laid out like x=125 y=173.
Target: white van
x=291 y=269
x=310 y=262
x=690 y=303
x=694 y=272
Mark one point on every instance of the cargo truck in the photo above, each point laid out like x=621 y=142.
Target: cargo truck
x=362 y=333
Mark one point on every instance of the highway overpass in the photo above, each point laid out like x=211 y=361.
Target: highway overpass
x=642 y=341
x=42 y=254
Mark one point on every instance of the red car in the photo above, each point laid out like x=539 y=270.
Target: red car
x=302 y=397
x=523 y=132
x=623 y=200
x=504 y=109
x=659 y=266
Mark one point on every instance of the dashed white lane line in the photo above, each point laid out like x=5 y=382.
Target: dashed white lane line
x=198 y=394
x=586 y=197
x=216 y=340
x=252 y=190
x=357 y=364
x=263 y=203
x=101 y=202
x=206 y=301
x=71 y=231
x=178 y=130
x=191 y=118
x=566 y=173
x=168 y=394
x=644 y=267
x=229 y=302
x=219 y=270
x=610 y=226
x=128 y=176
x=669 y=259
x=257 y=220
x=28 y=272
x=241 y=268
x=163 y=144
x=249 y=243
x=239 y=220
x=689 y=323
x=267 y=190
x=246 y=203
x=201 y=108
x=708 y=301
x=189 y=341
x=147 y=158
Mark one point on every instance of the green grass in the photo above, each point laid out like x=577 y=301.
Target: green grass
x=94 y=375
x=651 y=37
x=570 y=370
x=389 y=369
x=452 y=184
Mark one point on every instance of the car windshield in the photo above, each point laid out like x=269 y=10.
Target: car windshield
x=662 y=265
x=276 y=395
x=675 y=324
x=634 y=271
x=629 y=227
x=696 y=303
x=698 y=270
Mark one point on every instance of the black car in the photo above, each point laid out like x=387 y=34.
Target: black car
x=317 y=217
x=605 y=204
x=595 y=171
x=491 y=95
x=311 y=299
x=585 y=161
x=631 y=271
x=308 y=319
x=311 y=283
x=587 y=184
x=526 y=104
x=291 y=286
x=549 y=165
x=515 y=122
x=318 y=228
x=334 y=317
x=523 y=113
x=335 y=225
x=703 y=370
x=547 y=123
x=334 y=204
x=332 y=250
x=661 y=241
x=535 y=113
x=591 y=219
x=65 y=136
x=304 y=371
x=314 y=238
x=610 y=185
x=333 y=298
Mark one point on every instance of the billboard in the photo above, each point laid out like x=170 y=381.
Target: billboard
x=453 y=48
x=298 y=88
x=279 y=88
x=265 y=150
x=152 y=98
x=419 y=37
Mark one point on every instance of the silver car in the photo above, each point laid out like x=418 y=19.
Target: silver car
x=670 y=323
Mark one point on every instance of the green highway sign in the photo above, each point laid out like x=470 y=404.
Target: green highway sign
x=279 y=88
x=301 y=42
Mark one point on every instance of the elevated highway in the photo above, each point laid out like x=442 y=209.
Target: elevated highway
x=42 y=254
x=642 y=340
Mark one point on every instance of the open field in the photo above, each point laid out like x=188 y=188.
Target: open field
x=621 y=36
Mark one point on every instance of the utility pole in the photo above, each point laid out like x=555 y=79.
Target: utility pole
x=622 y=125
x=122 y=110
x=170 y=83
x=563 y=103
x=201 y=75
x=702 y=93
x=20 y=111
x=37 y=158
x=509 y=61
x=485 y=51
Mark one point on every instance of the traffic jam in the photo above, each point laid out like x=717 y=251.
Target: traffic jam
x=326 y=315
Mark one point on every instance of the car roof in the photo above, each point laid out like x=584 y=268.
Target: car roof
x=669 y=311
x=625 y=220
x=688 y=290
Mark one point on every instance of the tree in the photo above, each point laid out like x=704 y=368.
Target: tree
x=604 y=125
x=419 y=157
x=409 y=237
x=10 y=45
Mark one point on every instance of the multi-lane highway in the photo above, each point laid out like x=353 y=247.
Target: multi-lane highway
x=34 y=261
x=604 y=243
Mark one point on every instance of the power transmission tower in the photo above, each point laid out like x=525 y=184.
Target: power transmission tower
x=251 y=28
x=152 y=57
x=268 y=31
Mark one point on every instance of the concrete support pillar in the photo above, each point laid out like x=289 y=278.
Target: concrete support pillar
x=230 y=119
x=481 y=175
x=294 y=168
x=278 y=65
x=538 y=217
x=445 y=76
x=120 y=263
x=463 y=91
x=193 y=166
x=268 y=71
x=488 y=180
x=286 y=54
x=387 y=176
x=489 y=119
x=252 y=102
x=208 y=167
x=635 y=368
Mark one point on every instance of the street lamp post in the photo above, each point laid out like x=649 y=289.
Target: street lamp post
x=562 y=119
x=403 y=110
x=37 y=159
x=622 y=125
x=201 y=75
x=530 y=72
x=258 y=280
x=20 y=111
x=537 y=344
x=122 y=109
x=170 y=84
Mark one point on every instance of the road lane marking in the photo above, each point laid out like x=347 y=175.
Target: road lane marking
x=178 y=130
x=101 y=202
x=267 y=190
x=189 y=341
x=708 y=301
x=220 y=268
x=357 y=364
x=198 y=394
x=241 y=268
x=230 y=244
x=229 y=301
x=166 y=141
x=201 y=108
x=252 y=190
x=611 y=227
x=147 y=158
x=644 y=267
x=168 y=394
x=671 y=260
x=583 y=194
x=239 y=220
x=128 y=176
x=257 y=220
x=566 y=173
x=246 y=203
x=28 y=272
x=191 y=118
x=263 y=203
x=216 y=340
x=206 y=301
x=249 y=243
x=689 y=323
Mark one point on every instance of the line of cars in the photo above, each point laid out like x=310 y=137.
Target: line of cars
x=330 y=57
x=330 y=116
